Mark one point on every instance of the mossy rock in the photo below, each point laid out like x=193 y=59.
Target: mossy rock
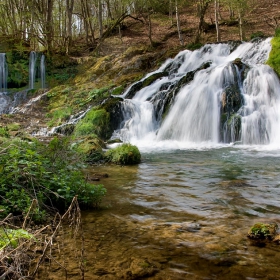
x=133 y=51
x=274 y=56
x=95 y=123
x=237 y=61
x=91 y=148
x=125 y=154
x=260 y=231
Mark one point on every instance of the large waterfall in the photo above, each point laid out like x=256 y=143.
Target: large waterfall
x=217 y=94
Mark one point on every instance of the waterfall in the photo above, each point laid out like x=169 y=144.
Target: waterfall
x=43 y=71
x=219 y=93
x=3 y=73
x=4 y=98
x=32 y=69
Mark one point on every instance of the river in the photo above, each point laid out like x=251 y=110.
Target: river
x=185 y=214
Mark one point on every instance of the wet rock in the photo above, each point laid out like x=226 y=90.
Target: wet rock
x=260 y=231
x=141 y=268
x=112 y=105
x=189 y=227
x=144 y=83
x=277 y=239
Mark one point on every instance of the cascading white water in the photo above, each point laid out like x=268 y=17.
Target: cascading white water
x=261 y=113
x=194 y=116
x=3 y=73
x=43 y=71
x=32 y=69
x=4 y=99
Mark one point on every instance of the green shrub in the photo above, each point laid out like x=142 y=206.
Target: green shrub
x=125 y=154
x=274 y=56
x=10 y=237
x=96 y=122
x=50 y=174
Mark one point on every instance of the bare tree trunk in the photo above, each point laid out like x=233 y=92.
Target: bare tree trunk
x=171 y=12
x=240 y=18
x=69 y=12
x=202 y=8
x=100 y=18
x=217 y=8
x=49 y=25
x=179 y=25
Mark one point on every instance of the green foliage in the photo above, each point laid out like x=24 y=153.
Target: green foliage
x=274 y=56
x=50 y=174
x=18 y=63
x=4 y=131
x=96 y=122
x=125 y=154
x=11 y=237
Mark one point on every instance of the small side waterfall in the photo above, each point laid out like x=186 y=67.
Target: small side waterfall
x=37 y=70
x=3 y=73
x=32 y=69
x=4 y=99
x=43 y=71
x=219 y=93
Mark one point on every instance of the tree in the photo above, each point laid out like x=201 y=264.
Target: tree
x=178 y=24
x=202 y=6
x=217 y=7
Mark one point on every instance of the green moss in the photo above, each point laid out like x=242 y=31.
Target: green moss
x=274 y=56
x=262 y=231
x=125 y=154
x=13 y=126
x=117 y=90
x=95 y=123
x=59 y=116
x=91 y=148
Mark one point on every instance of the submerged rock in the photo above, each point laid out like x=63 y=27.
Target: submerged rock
x=260 y=231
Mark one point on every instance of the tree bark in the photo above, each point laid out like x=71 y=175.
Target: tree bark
x=179 y=25
x=217 y=8
x=241 y=31
x=69 y=11
x=202 y=8
x=100 y=18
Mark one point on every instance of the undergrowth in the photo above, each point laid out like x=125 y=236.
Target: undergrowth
x=51 y=174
